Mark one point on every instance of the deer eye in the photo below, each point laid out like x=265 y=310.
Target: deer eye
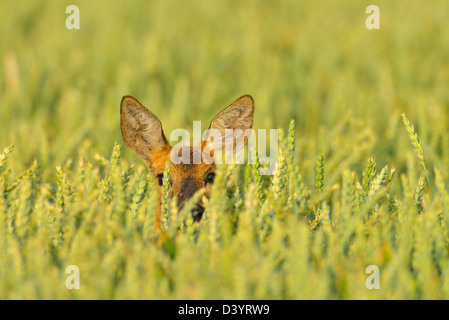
x=210 y=178
x=160 y=179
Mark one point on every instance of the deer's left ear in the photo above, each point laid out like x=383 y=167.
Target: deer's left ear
x=233 y=123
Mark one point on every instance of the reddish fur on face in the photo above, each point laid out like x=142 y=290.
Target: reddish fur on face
x=185 y=179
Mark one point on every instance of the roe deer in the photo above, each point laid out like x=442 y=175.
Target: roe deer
x=142 y=132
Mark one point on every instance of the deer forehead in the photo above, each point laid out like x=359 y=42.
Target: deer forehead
x=179 y=171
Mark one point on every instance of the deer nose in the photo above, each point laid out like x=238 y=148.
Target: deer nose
x=197 y=213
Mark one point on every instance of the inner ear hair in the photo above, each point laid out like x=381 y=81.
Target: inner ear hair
x=141 y=129
x=233 y=122
x=239 y=115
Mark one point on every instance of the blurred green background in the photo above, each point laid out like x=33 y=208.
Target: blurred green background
x=313 y=61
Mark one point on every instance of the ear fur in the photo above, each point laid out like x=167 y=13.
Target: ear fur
x=141 y=129
x=238 y=117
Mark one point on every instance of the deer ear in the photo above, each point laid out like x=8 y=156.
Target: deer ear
x=238 y=118
x=141 y=129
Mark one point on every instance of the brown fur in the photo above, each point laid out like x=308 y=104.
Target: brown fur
x=142 y=131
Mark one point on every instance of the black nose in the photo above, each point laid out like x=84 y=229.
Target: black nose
x=197 y=213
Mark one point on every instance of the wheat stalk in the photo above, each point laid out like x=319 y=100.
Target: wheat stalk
x=416 y=145
x=165 y=190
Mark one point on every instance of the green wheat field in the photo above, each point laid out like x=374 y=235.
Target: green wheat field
x=363 y=172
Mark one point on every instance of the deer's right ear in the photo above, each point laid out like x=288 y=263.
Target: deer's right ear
x=141 y=129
